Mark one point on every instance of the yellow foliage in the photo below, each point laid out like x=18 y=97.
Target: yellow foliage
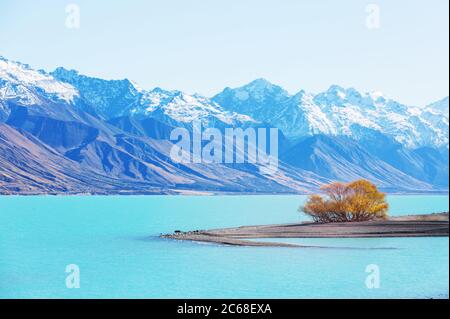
x=345 y=202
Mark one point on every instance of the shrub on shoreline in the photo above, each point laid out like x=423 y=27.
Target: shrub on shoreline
x=347 y=202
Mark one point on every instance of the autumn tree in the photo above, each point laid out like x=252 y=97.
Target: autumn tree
x=347 y=202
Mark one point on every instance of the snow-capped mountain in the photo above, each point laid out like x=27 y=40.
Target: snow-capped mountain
x=186 y=108
x=117 y=98
x=440 y=107
x=109 y=136
x=19 y=82
x=338 y=111
x=109 y=98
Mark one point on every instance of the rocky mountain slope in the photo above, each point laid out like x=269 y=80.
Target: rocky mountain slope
x=63 y=132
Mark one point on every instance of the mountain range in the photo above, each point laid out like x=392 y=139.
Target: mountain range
x=66 y=133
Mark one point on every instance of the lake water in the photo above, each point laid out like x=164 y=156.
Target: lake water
x=114 y=242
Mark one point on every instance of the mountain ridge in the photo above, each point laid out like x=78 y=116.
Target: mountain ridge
x=120 y=134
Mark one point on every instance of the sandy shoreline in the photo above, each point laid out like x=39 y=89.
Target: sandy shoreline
x=432 y=225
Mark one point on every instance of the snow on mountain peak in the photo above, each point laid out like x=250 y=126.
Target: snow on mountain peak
x=376 y=95
x=260 y=84
x=186 y=108
x=335 y=95
x=18 y=81
x=336 y=111
x=116 y=98
x=336 y=89
x=440 y=107
x=256 y=96
x=341 y=111
x=137 y=86
x=258 y=90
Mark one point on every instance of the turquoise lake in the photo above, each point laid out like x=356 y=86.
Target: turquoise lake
x=114 y=241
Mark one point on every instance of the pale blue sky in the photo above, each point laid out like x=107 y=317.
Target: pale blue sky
x=205 y=45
